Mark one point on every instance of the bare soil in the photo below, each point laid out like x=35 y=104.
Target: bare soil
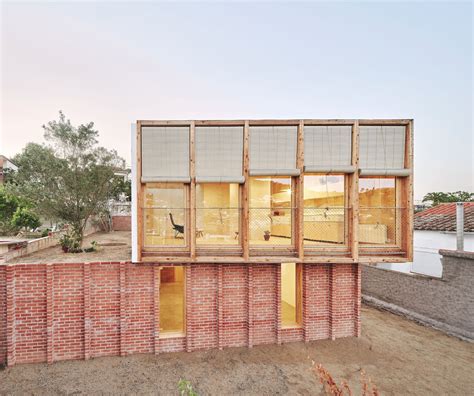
x=113 y=246
x=400 y=356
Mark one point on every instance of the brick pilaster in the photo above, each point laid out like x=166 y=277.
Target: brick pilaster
x=357 y=298
x=11 y=316
x=220 y=308
x=278 y=303
x=156 y=308
x=49 y=313
x=189 y=305
x=87 y=310
x=250 y=305
x=123 y=309
x=332 y=292
x=305 y=298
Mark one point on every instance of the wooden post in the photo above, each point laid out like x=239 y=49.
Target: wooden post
x=300 y=192
x=245 y=195
x=408 y=196
x=353 y=203
x=192 y=192
x=139 y=201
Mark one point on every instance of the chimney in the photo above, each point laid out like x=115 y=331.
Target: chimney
x=459 y=226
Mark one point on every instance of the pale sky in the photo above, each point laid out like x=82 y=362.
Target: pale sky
x=114 y=63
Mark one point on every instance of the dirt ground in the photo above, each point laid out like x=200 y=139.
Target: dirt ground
x=113 y=246
x=400 y=356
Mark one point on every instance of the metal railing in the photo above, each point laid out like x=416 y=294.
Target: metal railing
x=325 y=225
x=218 y=226
x=271 y=226
x=381 y=225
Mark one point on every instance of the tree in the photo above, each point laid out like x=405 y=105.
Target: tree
x=8 y=205
x=70 y=178
x=25 y=218
x=441 y=197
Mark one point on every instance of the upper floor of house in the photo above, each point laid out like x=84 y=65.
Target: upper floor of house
x=272 y=191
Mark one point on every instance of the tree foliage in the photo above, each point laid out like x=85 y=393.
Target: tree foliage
x=13 y=213
x=441 y=197
x=25 y=218
x=69 y=178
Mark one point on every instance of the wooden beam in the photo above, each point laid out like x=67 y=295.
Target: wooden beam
x=384 y=122
x=245 y=194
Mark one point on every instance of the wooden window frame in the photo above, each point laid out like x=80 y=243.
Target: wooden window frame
x=205 y=249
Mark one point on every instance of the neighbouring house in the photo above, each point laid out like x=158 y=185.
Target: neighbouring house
x=5 y=165
x=435 y=229
x=258 y=227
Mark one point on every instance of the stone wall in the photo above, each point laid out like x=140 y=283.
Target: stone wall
x=446 y=303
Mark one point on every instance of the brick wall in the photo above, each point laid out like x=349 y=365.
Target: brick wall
x=446 y=303
x=121 y=223
x=52 y=312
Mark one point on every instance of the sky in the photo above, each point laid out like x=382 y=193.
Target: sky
x=114 y=63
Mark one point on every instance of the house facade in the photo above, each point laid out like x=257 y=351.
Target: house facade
x=257 y=228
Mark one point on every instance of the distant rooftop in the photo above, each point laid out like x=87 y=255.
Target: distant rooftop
x=443 y=218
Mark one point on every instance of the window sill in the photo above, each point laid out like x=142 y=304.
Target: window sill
x=172 y=334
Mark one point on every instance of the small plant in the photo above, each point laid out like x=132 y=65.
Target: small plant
x=45 y=233
x=92 y=248
x=185 y=388
x=266 y=235
x=331 y=388
x=70 y=243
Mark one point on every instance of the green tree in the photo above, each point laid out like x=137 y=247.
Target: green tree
x=25 y=218
x=70 y=178
x=8 y=205
x=441 y=197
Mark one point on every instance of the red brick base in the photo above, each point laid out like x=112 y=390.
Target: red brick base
x=121 y=223
x=51 y=312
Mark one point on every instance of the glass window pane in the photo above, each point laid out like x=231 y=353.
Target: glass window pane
x=164 y=215
x=324 y=211
x=378 y=214
x=271 y=207
x=217 y=214
x=172 y=299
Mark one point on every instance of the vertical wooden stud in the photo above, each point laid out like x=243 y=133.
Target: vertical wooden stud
x=300 y=192
x=245 y=231
x=409 y=163
x=189 y=306
x=192 y=193
x=353 y=203
x=139 y=202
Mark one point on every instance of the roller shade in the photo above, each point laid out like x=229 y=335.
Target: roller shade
x=273 y=150
x=382 y=148
x=165 y=154
x=328 y=149
x=219 y=154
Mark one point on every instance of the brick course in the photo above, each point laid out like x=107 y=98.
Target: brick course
x=52 y=312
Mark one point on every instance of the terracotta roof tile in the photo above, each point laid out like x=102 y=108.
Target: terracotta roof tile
x=443 y=218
